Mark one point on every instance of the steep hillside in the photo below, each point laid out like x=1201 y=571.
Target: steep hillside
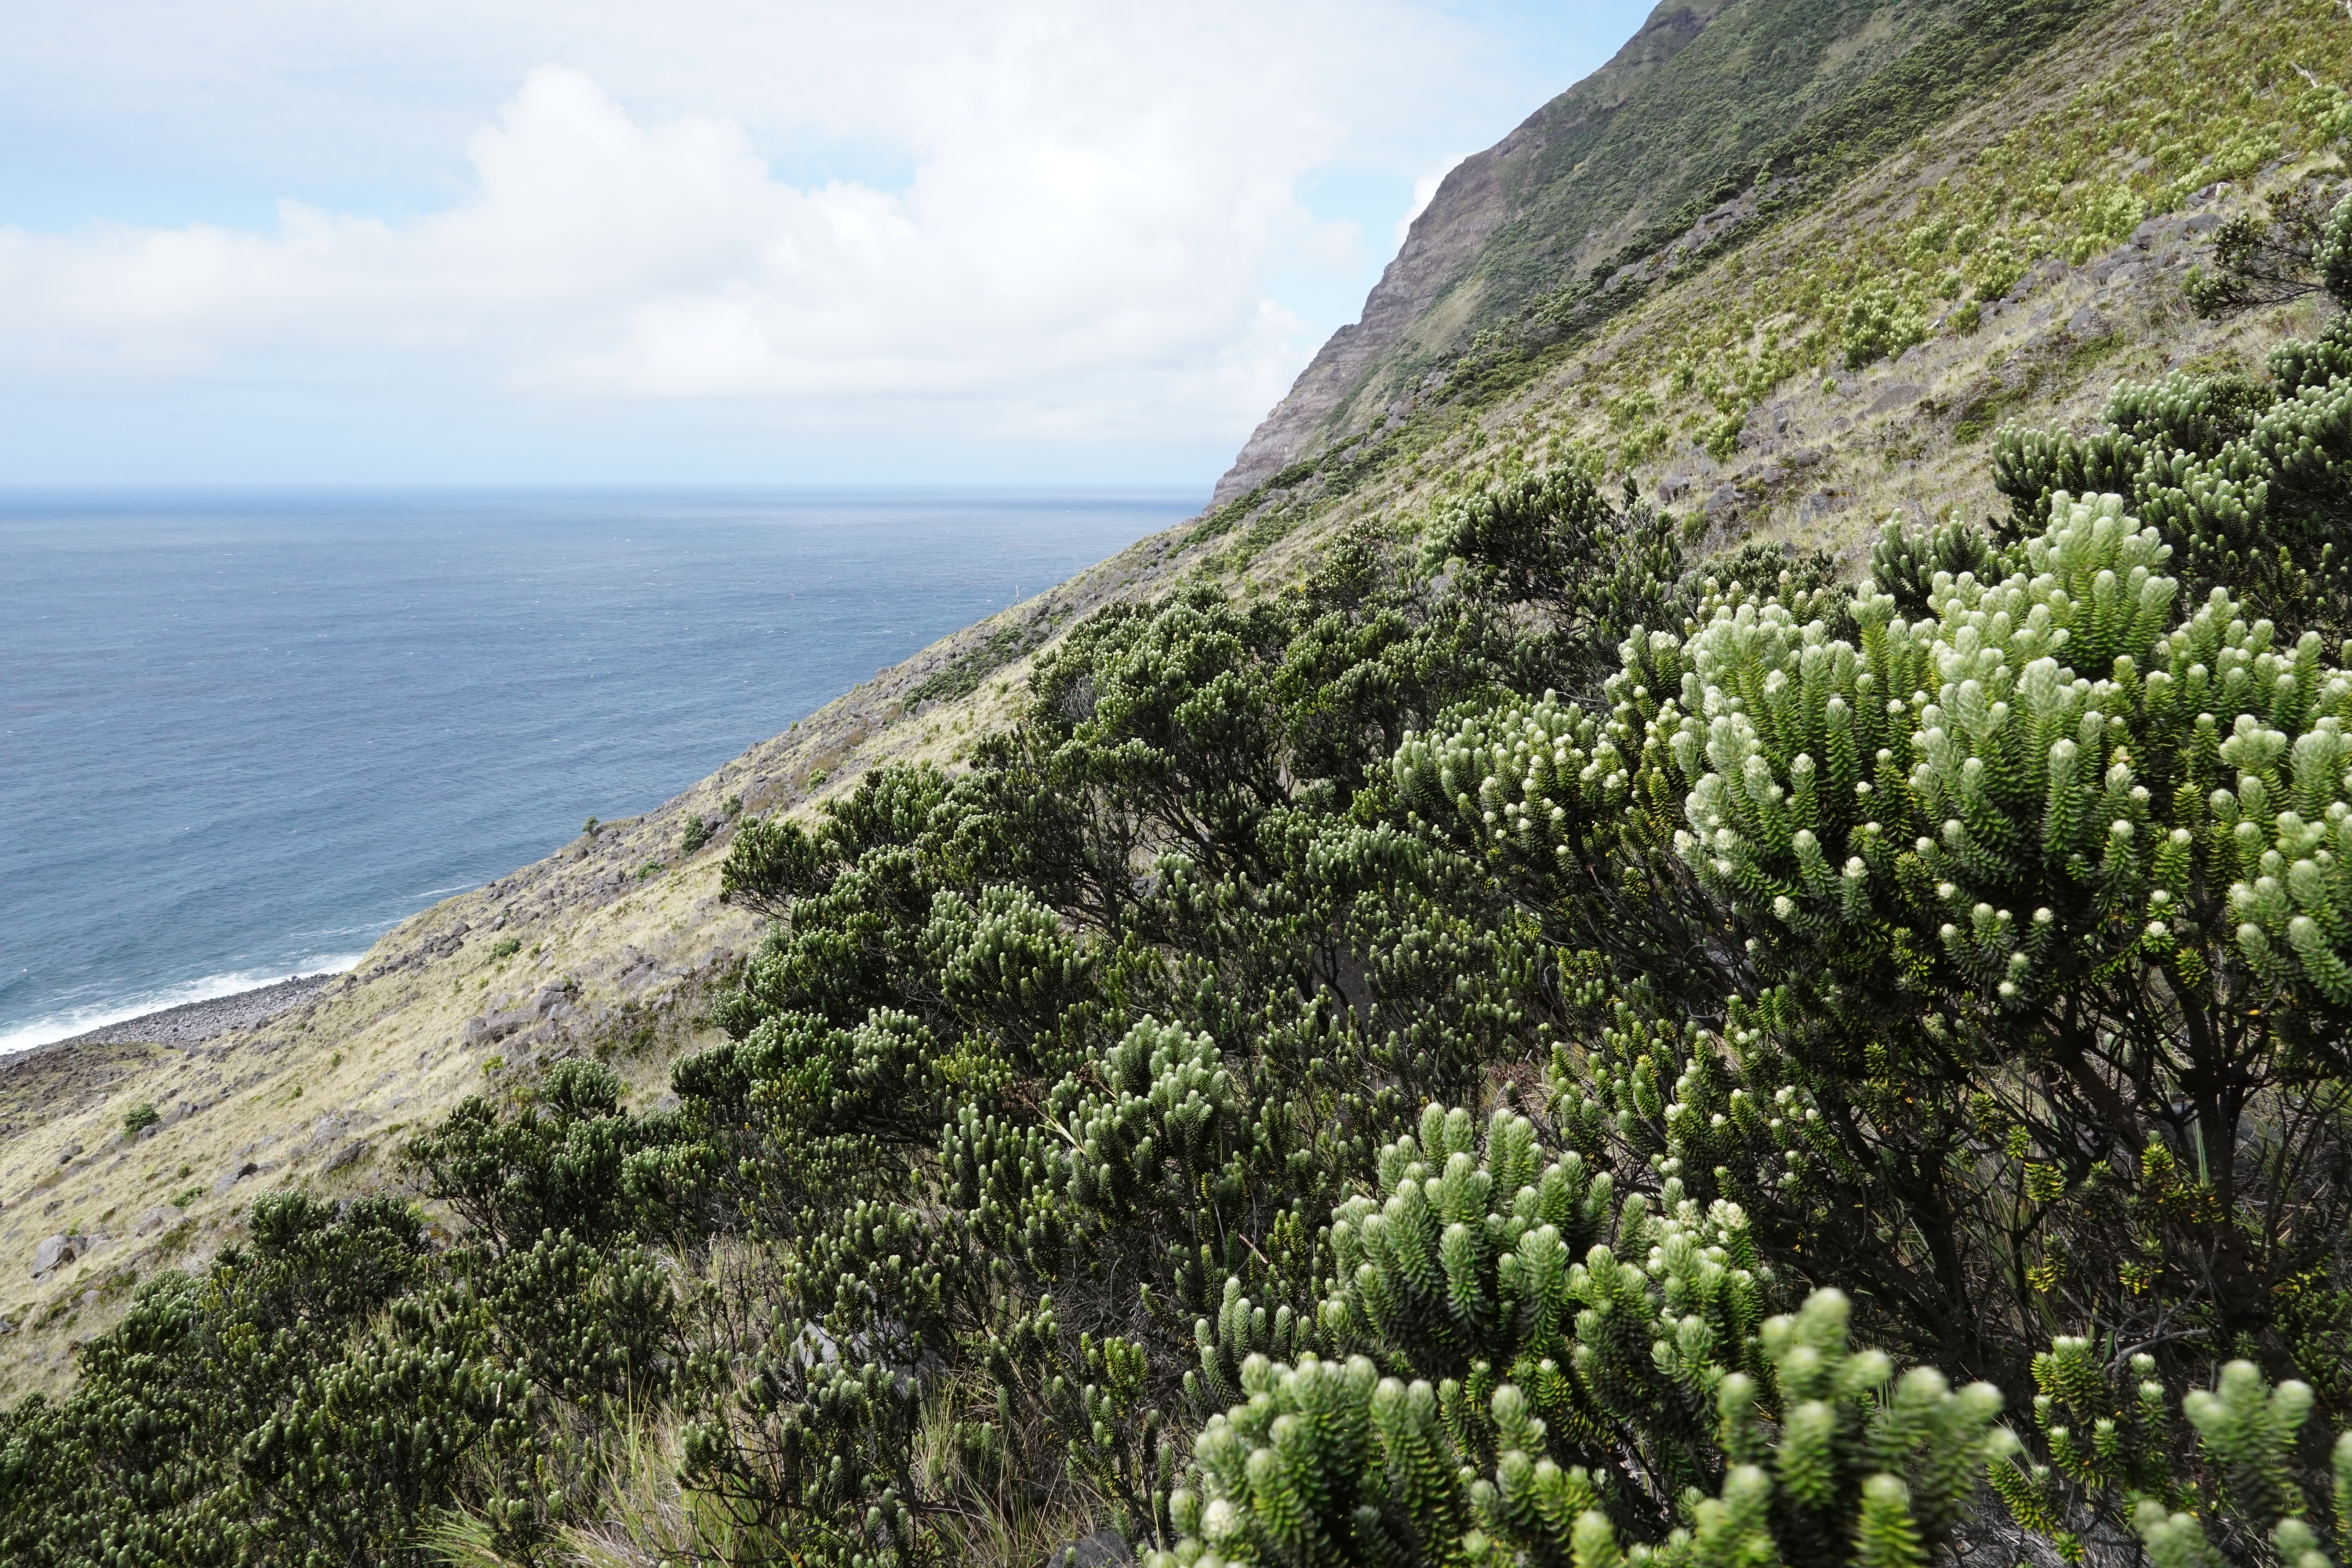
x=1828 y=367
x=1721 y=388
x=1714 y=118
x=1068 y=1175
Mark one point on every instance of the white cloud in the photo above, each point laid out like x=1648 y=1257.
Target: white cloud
x=598 y=256
x=1068 y=213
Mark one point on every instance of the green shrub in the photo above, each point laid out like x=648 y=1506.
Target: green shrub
x=1904 y=564
x=1824 y=1458
x=1880 y=321
x=2239 y=480
x=2064 y=864
x=1454 y=1062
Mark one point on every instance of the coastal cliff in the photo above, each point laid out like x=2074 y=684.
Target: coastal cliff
x=613 y=963
x=1187 y=1062
x=1714 y=113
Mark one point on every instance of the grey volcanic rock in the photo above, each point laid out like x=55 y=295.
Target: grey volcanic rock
x=489 y=1027
x=1902 y=394
x=55 y=1251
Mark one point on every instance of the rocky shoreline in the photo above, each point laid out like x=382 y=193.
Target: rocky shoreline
x=193 y=1023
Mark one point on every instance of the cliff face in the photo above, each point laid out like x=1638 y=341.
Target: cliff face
x=1445 y=241
x=1619 y=166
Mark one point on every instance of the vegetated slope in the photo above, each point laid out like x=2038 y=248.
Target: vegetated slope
x=1715 y=116
x=1703 y=389
x=1335 y=932
x=610 y=950
x=1855 y=360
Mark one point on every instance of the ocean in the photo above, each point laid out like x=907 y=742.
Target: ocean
x=241 y=735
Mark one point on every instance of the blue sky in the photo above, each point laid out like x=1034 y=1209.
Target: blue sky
x=720 y=240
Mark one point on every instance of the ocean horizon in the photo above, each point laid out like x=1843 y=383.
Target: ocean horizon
x=244 y=733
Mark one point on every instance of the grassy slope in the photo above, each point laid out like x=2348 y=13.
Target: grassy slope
x=335 y=1083
x=1768 y=106
x=1725 y=390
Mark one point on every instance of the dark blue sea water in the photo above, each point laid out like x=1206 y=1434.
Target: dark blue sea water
x=243 y=735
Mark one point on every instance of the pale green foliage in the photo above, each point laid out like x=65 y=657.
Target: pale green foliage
x=2026 y=784
x=1172 y=1113
x=1548 y=784
x=1904 y=563
x=2104 y=1437
x=1722 y=1107
x=1879 y=320
x=2240 y=477
x=2247 y=1429
x=1330 y=1463
x=2251 y=1507
x=1006 y=963
x=1524 y=778
x=1240 y=1329
x=2114 y=1438
x=2052 y=821
x=1156 y=1126
x=1606 y=1319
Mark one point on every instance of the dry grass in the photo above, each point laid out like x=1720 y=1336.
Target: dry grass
x=640 y=1516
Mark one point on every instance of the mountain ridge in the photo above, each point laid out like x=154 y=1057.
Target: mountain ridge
x=1443 y=240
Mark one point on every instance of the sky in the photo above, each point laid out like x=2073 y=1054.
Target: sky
x=909 y=243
